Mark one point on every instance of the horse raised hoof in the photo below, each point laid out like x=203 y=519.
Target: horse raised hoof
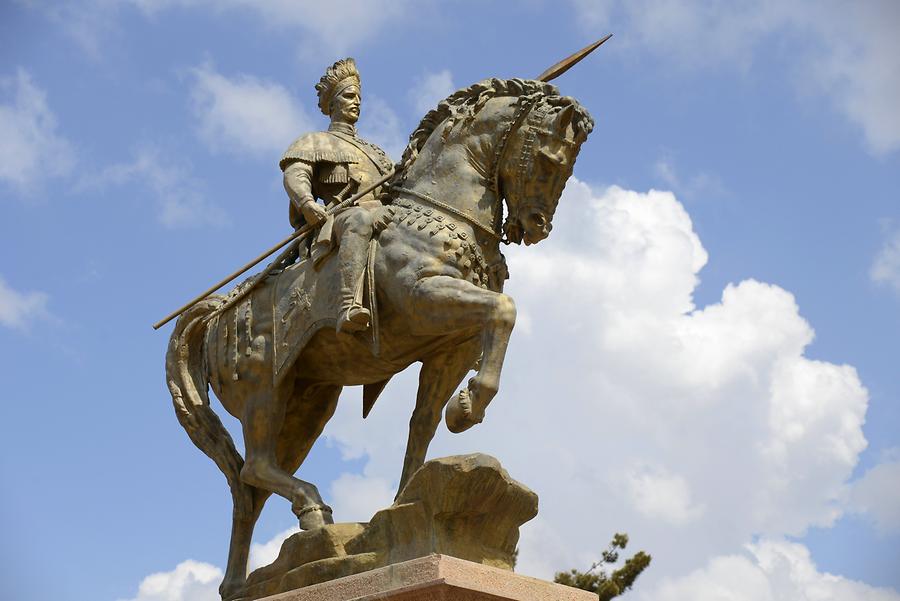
x=458 y=415
x=314 y=516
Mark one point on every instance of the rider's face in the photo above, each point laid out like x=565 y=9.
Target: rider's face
x=345 y=106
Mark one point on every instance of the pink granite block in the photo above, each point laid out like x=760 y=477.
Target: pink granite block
x=436 y=578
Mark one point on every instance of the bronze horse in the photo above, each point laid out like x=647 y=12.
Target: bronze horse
x=438 y=275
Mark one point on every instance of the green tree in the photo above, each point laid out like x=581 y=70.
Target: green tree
x=606 y=585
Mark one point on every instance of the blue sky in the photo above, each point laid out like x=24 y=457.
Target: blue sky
x=719 y=379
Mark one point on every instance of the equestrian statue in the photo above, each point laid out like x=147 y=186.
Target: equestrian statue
x=410 y=271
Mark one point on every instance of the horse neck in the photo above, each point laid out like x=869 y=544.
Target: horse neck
x=455 y=173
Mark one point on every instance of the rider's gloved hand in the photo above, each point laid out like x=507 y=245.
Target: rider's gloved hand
x=313 y=212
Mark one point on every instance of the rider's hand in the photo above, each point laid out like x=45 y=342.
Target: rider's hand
x=313 y=212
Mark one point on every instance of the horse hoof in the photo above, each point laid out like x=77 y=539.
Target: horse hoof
x=458 y=415
x=314 y=516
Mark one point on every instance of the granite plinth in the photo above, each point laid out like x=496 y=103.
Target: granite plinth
x=436 y=578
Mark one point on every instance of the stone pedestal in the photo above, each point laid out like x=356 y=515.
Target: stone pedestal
x=436 y=578
x=464 y=506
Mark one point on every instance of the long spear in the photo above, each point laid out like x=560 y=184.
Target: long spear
x=295 y=236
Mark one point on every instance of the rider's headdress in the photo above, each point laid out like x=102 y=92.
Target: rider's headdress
x=337 y=77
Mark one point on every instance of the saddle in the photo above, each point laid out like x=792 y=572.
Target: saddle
x=307 y=299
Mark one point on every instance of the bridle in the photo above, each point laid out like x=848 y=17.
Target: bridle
x=526 y=104
x=530 y=112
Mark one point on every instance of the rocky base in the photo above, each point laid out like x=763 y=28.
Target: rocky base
x=464 y=506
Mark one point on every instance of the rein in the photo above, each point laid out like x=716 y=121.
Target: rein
x=524 y=108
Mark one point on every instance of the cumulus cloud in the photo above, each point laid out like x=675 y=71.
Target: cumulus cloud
x=886 y=266
x=19 y=309
x=852 y=56
x=31 y=150
x=189 y=581
x=877 y=494
x=262 y=554
x=429 y=89
x=243 y=114
x=693 y=429
x=658 y=494
x=179 y=197
x=771 y=570
x=356 y=498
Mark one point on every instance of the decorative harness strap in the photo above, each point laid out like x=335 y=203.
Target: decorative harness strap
x=450 y=209
x=526 y=103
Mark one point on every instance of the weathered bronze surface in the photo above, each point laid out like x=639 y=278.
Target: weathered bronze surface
x=417 y=276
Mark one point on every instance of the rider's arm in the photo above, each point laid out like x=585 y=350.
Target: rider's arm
x=298 y=177
x=298 y=183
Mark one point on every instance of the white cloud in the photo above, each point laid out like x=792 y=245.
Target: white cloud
x=877 y=494
x=324 y=28
x=886 y=266
x=180 y=201
x=244 y=114
x=774 y=571
x=694 y=430
x=31 y=150
x=18 y=309
x=429 y=89
x=189 y=581
x=658 y=494
x=851 y=56
x=356 y=498
x=262 y=554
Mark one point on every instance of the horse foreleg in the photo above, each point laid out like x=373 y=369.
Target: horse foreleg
x=444 y=305
x=438 y=378
x=263 y=422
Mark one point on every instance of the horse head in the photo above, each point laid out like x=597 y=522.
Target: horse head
x=546 y=135
x=511 y=138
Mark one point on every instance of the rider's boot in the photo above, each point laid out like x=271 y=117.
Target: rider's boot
x=353 y=317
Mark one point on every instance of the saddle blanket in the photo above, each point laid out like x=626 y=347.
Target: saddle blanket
x=308 y=299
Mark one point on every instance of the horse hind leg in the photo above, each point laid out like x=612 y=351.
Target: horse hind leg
x=278 y=438
x=242 y=525
x=305 y=421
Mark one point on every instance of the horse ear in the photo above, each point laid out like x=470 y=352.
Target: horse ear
x=565 y=116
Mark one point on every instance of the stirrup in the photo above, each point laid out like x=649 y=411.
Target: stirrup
x=353 y=319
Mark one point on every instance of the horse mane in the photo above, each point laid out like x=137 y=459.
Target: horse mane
x=465 y=103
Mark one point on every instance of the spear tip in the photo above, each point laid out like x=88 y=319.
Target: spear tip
x=570 y=61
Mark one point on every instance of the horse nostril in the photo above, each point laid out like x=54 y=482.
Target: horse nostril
x=539 y=220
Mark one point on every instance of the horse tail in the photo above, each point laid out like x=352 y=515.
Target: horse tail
x=187 y=378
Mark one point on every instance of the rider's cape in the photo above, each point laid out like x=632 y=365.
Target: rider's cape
x=342 y=152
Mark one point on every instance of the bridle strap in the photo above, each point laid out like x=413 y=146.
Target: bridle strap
x=526 y=103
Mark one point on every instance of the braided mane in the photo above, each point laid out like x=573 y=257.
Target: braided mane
x=465 y=103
